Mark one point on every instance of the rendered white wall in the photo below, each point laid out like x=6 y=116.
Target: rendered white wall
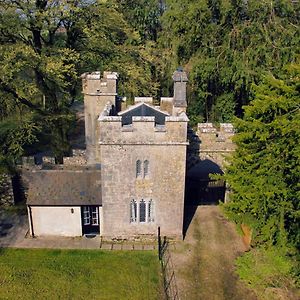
x=56 y=221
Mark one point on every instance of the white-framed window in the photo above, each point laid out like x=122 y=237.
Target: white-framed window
x=86 y=216
x=133 y=211
x=95 y=217
x=142 y=211
x=150 y=211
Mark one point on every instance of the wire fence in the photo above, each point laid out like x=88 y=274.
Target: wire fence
x=169 y=279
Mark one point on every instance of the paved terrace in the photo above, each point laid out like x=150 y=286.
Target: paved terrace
x=14 y=234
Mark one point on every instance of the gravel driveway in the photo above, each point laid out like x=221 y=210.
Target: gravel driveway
x=204 y=261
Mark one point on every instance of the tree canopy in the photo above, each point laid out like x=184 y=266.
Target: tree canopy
x=264 y=172
x=227 y=45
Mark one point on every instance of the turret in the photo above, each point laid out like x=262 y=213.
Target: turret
x=97 y=92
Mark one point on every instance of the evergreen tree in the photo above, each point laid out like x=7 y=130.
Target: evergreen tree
x=264 y=172
x=226 y=46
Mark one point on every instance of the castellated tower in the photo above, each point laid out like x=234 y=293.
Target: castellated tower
x=143 y=159
x=97 y=93
x=134 y=182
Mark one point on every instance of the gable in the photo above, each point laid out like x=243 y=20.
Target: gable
x=143 y=110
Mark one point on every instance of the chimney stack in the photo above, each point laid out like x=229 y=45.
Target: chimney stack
x=179 y=99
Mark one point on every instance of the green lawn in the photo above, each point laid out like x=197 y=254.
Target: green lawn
x=78 y=274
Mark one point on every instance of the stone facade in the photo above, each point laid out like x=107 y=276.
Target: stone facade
x=210 y=142
x=165 y=149
x=140 y=156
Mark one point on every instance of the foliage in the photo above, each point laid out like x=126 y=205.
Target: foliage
x=46 y=45
x=264 y=172
x=78 y=274
x=227 y=45
x=264 y=268
x=15 y=135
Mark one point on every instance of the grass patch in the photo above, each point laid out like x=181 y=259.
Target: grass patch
x=78 y=274
x=269 y=272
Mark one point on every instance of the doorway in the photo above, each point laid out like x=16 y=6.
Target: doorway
x=90 y=219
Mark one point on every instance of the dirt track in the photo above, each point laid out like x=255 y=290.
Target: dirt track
x=204 y=261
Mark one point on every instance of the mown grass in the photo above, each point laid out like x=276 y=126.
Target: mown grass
x=78 y=274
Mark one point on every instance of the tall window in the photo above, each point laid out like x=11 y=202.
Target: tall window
x=142 y=169
x=95 y=218
x=138 y=168
x=146 y=168
x=142 y=211
x=133 y=211
x=150 y=216
x=86 y=216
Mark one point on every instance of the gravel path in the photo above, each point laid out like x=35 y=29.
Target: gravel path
x=204 y=261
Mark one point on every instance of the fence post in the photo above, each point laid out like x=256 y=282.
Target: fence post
x=159 y=243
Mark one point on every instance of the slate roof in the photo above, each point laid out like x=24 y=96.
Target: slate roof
x=80 y=186
x=143 y=110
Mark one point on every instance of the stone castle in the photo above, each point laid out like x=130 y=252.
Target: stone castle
x=140 y=166
x=134 y=178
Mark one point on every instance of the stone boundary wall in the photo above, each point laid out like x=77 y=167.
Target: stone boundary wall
x=6 y=190
x=210 y=142
x=78 y=158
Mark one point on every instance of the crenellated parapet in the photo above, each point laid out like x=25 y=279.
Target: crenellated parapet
x=214 y=143
x=143 y=130
x=95 y=85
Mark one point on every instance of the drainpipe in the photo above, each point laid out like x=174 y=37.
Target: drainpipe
x=31 y=223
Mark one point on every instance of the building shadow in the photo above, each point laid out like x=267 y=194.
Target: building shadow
x=200 y=189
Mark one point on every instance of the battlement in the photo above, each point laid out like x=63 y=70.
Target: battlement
x=38 y=162
x=141 y=129
x=94 y=85
x=226 y=128
x=216 y=139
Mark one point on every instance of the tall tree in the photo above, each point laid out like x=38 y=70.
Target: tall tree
x=46 y=45
x=226 y=45
x=264 y=172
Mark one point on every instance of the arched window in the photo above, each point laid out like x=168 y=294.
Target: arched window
x=150 y=211
x=133 y=211
x=138 y=168
x=142 y=211
x=146 y=168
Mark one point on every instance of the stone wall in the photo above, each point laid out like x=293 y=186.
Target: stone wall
x=210 y=142
x=165 y=149
x=97 y=92
x=6 y=190
x=164 y=185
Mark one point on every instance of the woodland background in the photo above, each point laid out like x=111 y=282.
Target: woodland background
x=242 y=58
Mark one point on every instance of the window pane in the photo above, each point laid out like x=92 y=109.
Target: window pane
x=138 y=168
x=142 y=211
x=86 y=216
x=133 y=211
x=95 y=216
x=146 y=168
x=150 y=211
